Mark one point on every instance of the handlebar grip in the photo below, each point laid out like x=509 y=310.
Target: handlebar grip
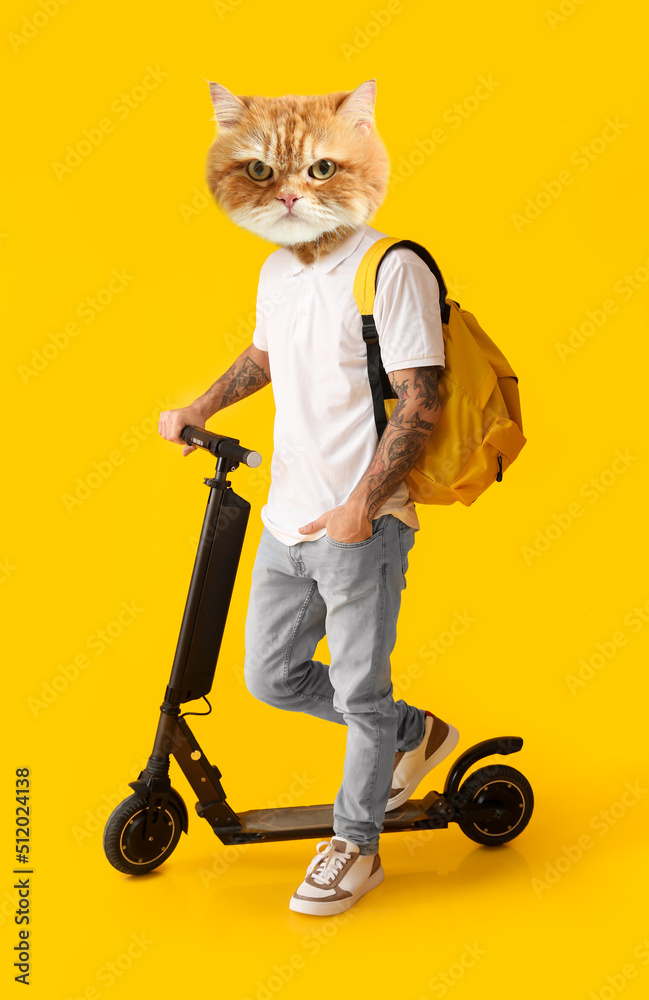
x=220 y=446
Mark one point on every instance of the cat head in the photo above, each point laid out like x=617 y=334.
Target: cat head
x=293 y=168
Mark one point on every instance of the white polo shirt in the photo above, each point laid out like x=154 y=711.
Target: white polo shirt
x=308 y=322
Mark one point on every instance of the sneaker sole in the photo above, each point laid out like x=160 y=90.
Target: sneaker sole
x=325 y=909
x=447 y=747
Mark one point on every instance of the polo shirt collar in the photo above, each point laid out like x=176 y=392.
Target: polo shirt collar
x=344 y=249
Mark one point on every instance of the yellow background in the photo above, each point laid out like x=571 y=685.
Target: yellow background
x=493 y=922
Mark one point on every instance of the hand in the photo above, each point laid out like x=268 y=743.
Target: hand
x=171 y=422
x=347 y=523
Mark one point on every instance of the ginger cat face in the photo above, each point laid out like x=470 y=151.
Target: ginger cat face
x=302 y=172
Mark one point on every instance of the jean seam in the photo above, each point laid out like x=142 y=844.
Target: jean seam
x=414 y=745
x=374 y=667
x=372 y=781
x=404 y=554
x=403 y=573
x=287 y=655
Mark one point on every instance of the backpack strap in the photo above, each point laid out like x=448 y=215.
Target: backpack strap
x=365 y=284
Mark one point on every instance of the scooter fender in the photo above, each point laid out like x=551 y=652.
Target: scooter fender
x=143 y=789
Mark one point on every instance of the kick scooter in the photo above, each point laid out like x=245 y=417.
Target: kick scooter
x=491 y=807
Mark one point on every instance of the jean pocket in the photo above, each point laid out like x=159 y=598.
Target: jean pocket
x=377 y=530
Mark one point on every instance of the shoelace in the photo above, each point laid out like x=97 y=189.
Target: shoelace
x=320 y=858
x=329 y=867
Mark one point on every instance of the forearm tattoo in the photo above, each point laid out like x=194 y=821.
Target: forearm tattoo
x=241 y=379
x=404 y=437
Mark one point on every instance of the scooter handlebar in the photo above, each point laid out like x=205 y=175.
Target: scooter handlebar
x=220 y=446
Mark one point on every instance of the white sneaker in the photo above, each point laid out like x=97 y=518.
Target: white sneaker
x=439 y=740
x=336 y=878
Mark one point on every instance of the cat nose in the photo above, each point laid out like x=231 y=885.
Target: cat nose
x=288 y=199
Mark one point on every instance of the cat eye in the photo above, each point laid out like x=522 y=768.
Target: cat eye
x=259 y=171
x=322 y=170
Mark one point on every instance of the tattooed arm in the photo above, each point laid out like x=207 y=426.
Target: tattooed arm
x=250 y=372
x=402 y=441
x=404 y=437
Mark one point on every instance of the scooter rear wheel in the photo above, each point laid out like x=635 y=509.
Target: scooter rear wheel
x=124 y=844
x=501 y=787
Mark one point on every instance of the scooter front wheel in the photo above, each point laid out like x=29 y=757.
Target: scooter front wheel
x=504 y=791
x=124 y=843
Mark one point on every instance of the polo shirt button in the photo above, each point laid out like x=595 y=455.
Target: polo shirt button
x=302 y=312
x=309 y=268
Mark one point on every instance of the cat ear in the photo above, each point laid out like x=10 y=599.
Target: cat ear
x=358 y=106
x=227 y=106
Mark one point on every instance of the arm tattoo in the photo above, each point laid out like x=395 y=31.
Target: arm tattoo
x=426 y=382
x=241 y=379
x=404 y=437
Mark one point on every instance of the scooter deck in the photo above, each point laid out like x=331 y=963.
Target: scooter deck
x=297 y=822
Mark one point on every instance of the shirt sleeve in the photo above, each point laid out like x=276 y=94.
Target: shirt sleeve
x=407 y=314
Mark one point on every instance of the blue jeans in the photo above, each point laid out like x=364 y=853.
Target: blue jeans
x=353 y=593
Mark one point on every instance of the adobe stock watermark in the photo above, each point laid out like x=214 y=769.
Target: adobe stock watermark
x=199 y=199
x=98 y=642
x=614 y=982
x=312 y=944
x=591 y=491
x=443 y=981
x=223 y=8
x=454 y=117
x=625 y=288
x=7 y=569
x=112 y=971
x=87 y=310
x=223 y=860
x=454 y=287
x=581 y=158
x=364 y=34
x=447 y=469
x=431 y=650
x=415 y=840
x=243 y=332
x=565 y=10
x=122 y=107
x=603 y=821
x=103 y=468
x=227 y=516
x=264 y=307
x=634 y=621
x=257 y=480
x=32 y=26
x=284 y=456
x=95 y=819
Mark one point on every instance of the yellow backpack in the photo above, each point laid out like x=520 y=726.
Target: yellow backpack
x=479 y=431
